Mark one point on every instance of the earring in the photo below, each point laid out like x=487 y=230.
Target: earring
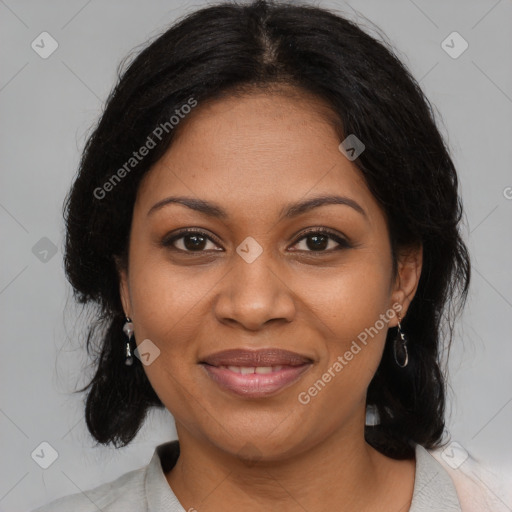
x=128 y=330
x=400 y=346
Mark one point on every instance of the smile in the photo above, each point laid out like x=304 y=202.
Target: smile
x=253 y=373
x=258 y=369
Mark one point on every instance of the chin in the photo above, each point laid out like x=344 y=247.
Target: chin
x=263 y=443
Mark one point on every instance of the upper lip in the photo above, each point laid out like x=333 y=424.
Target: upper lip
x=254 y=358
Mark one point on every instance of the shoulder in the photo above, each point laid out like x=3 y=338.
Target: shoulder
x=478 y=488
x=120 y=495
x=433 y=487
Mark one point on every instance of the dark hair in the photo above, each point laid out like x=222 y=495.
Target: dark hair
x=228 y=49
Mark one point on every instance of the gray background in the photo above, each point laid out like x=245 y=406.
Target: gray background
x=47 y=108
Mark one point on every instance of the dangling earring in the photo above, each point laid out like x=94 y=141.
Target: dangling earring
x=128 y=330
x=400 y=346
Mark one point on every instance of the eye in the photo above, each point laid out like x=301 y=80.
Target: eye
x=316 y=240
x=321 y=240
x=190 y=240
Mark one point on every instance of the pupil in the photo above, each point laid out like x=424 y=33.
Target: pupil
x=197 y=244
x=319 y=242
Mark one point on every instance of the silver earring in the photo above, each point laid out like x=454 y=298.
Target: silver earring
x=128 y=330
x=400 y=347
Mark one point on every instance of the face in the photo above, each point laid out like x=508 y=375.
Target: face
x=293 y=288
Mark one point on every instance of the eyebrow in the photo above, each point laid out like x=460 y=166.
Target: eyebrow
x=289 y=211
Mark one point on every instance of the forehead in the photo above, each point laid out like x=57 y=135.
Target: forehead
x=259 y=147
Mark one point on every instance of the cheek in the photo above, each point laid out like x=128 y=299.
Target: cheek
x=165 y=304
x=351 y=297
x=163 y=297
x=354 y=309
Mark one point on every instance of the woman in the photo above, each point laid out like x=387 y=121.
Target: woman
x=268 y=219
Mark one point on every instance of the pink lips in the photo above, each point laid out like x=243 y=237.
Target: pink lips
x=255 y=373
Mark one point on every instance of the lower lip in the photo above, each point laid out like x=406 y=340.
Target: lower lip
x=255 y=385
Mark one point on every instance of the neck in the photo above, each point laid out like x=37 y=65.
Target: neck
x=342 y=472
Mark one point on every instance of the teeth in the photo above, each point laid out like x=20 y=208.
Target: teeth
x=263 y=369
x=244 y=370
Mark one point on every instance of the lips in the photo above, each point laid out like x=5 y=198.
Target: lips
x=255 y=373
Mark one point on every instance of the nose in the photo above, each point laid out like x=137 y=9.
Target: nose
x=253 y=294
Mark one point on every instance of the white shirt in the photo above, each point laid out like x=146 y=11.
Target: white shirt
x=146 y=489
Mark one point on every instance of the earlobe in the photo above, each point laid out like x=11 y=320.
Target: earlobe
x=123 y=287
x=410 y=262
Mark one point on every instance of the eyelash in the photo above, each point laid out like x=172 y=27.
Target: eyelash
x=343 y=244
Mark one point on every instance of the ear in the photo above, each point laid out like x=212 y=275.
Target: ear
x=410 y=262
x=124 y=289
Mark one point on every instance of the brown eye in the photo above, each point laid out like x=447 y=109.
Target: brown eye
x=321 y=241
x=190 y=241
x=194 y=242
